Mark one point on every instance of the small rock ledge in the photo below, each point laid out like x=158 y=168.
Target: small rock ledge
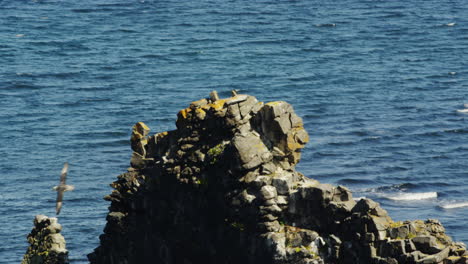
x=222 y=188
x=47 y=245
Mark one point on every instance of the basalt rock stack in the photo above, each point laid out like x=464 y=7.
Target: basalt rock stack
x=222 y=188
x=47 y=245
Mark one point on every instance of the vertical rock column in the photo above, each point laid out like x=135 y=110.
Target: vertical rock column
x=47 y=245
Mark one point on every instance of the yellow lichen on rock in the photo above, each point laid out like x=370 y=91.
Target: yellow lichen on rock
x=139 y=131
x=200 y=113
x=138 y=138
x=218 y=105
x=301 y=135
x=161 y=135
x=198 y=104
x=184 y=113
x=296 y=139
x=274 y=103
x=206 y=107
x=396 y=224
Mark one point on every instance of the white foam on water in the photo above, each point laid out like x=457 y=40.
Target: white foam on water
x=454 y=205
x=413 y=196
x=462 y=110
x=357 y=199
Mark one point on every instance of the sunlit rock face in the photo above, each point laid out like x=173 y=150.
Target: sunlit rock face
x=222 y=188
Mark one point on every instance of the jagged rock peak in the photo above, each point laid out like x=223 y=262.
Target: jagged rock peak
x=46 y=244
x=222 y=188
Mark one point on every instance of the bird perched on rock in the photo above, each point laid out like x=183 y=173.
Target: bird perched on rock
x=62 y=187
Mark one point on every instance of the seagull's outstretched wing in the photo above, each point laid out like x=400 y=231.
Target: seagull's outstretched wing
x=58 y=205
x=61 y=188
x=63 y=176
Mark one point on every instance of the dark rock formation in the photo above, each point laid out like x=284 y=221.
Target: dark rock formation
x=223 y=188
x=47 y=245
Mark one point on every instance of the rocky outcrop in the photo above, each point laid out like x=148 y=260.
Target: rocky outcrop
x=46 y=244
x=222 y=188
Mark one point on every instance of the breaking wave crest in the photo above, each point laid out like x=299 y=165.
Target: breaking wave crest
x=412 y=196
x=454 y=205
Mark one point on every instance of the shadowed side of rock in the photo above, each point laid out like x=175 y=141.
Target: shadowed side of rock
x=222 y=188
x=46 y=244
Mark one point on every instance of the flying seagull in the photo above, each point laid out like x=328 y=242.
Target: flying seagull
x=62 y=187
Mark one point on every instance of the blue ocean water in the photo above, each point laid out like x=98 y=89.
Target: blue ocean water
x=378 y=84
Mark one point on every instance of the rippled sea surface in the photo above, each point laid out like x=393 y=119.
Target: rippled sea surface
x=378 y=84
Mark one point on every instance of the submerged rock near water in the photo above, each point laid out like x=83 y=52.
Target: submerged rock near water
x=46 y=244
x=222 y=188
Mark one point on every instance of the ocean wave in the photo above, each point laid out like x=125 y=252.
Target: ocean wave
x=457 y=131
x=342 y=143
x=454 y=205
x=103 y=143
x=412 y=196
x=371 y=139
x=347 y=181
x=395 y=169
x=15 y=86
x=394 y=187
x=326 y=25
x=110 y=134
x=92 y=10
